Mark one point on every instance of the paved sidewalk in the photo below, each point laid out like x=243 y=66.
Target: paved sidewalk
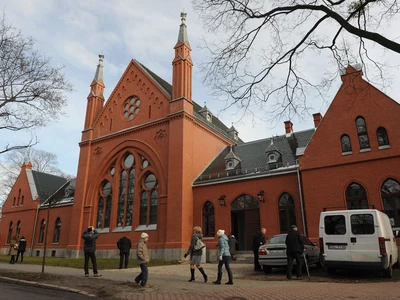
x=170 y=282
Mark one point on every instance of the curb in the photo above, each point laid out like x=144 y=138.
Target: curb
x=44 y=285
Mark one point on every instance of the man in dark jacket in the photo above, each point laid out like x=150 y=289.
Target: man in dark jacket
x=89 y=247
x=21 y=249
x=124 y=245
x=294 y=249
x=258 y=240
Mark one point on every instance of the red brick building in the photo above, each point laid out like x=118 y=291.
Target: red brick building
x=153 y=160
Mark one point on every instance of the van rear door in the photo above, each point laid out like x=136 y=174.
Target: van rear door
x=364 y=237
x=336 y=237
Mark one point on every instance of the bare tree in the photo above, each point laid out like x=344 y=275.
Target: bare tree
x=268 y=49
x=10 y=168
x=31 y=90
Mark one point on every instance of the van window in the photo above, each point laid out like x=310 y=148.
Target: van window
x=362 y=224
x=335 y=224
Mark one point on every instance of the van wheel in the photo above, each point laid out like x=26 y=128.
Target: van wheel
x=388 y=273
x=267 y=269
x=332 y=270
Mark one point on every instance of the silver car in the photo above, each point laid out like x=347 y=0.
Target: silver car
x=273 y=254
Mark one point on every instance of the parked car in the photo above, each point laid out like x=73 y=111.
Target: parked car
x=273 y=254
x=361 y=238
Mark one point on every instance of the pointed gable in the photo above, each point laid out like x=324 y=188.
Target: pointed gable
x=356 y=98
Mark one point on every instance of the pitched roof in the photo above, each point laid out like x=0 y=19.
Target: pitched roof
x=46 y=184
x=216 y=124
x=254 y=160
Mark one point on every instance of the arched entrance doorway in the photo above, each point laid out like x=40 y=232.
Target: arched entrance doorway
x=245 y=220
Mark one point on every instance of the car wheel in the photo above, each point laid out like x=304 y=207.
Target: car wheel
x=267 y=269
x=388 y=273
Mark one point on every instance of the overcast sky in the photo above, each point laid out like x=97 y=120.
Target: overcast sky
x=74 y=32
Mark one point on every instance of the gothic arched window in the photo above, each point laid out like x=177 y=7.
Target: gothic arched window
x=287 y=213
x=346 y=143
x=41 y=232
x=57 y=231
x=104 y=206
x=390 y=192
x=18 y=229
x=208 y=219
x=362 y=133
x=149 y=200
x=382 y=136
x=356 y=196
x=126 y=192
x=10 y=230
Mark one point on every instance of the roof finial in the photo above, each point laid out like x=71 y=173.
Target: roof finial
x=183 y=17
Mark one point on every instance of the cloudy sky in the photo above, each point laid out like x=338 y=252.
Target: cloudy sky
x=74 y=32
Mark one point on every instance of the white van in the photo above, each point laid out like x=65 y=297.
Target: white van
x=360 y=238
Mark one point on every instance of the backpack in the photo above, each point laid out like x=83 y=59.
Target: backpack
x=198 y=245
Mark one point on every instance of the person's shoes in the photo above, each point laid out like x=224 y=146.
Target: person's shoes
x=205 y=278
x=86 y=275
x=145 y=286
x=299 y=278
x=229 y=282
x=97 y=275
x=217 y=282
x=191 y=280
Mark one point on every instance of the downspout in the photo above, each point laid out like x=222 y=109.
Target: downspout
x=301 y=198
x=34 y=227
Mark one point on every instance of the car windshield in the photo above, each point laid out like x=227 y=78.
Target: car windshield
x=277 y=239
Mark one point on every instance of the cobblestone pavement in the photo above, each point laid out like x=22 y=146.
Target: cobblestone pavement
x=170 y=282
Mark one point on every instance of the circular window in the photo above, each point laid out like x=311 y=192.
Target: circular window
x=128 y=162
x=150 y=181
x=131 y=108
x=272 y=157
x=106 y=190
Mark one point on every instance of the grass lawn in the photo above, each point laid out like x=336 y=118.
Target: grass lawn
x=103 y=263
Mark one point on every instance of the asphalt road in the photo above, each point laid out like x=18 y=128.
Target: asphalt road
x=21 y=292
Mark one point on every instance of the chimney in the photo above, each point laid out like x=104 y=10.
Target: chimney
x=317 y=119
x=288 y=127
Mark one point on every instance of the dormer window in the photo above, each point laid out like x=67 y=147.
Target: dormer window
x=209 y=117
x=273 y=153
x=272 y=157
x=231 y=160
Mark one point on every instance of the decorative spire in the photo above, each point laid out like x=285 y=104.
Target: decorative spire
x=182 y=30
x=99 y=72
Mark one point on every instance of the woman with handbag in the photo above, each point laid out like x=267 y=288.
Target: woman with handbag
x=13 y=249
x=195 y=253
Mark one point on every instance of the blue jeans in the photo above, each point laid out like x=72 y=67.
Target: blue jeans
x=142 y=277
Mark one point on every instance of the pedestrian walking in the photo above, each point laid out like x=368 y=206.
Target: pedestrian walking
x=224 y=257
x=195 y=254
x=142 y=256
x=124 y=245
x=294 y=249
x=233 y=242
x=13 y=249
x=21 y=249
x=258 y=240
x=90 y=236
